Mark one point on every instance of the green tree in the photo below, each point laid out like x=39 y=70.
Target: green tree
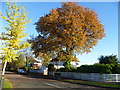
x=51 y=67
x=16 y=64
x=16 y=18
x=29 y=60
x=66 y=31
x=20 y=62
x=111 y=59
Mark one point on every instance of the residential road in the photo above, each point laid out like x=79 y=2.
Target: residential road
x=26 y=81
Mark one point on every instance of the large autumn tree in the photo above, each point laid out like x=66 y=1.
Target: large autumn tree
x=66 y=31
x=16 y=18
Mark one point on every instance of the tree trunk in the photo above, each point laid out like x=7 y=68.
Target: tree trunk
x=3 y=73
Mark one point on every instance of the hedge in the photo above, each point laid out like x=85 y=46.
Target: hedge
x=71 y=69
x=96 y=68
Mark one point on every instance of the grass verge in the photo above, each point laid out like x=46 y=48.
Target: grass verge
x=92 y=83
x=7 y=84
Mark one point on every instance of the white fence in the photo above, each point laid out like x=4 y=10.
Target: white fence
x=92 y=76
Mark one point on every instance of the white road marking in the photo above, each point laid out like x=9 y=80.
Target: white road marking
x=52 y=85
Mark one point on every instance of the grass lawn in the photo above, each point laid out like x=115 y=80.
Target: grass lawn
x=94 y=83
x=7 y=84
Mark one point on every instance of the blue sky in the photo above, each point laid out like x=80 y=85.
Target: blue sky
x=107 y=13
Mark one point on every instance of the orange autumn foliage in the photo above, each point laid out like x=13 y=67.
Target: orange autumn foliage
x=66 y=31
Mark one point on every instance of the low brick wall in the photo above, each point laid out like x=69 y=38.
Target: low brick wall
x=92 y=76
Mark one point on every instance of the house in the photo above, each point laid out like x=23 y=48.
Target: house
x=35 y=64
x=59 y=64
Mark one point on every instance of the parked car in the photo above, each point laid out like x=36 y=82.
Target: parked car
x=22 y=71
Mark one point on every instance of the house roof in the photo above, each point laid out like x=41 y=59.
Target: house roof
x=56 y=59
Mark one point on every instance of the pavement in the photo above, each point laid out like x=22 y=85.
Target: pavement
x=37 y=82
x=0 y=75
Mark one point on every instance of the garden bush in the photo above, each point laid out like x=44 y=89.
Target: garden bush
x=96 y=68
x=99 y=68
x=62 y=70
x=71 y=69
x=51 y=67
x=116 y=69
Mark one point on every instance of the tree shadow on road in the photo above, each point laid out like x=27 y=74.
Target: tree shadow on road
x=38 y=75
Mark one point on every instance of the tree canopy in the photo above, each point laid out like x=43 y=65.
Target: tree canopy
x=111 y=59
x=16 y=18
x=66 y=31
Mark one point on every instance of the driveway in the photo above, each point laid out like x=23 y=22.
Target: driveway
x=26 y=81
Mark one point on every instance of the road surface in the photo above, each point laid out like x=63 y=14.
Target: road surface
x=25 y=81
x=0 y=75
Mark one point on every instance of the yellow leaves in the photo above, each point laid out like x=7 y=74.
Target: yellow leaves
x=4 y=17
x=12 y=37
x=65 y=30
x=14 y=7
x=10 y=55
x=1 y=14
x=25 y=45
x=15 y=14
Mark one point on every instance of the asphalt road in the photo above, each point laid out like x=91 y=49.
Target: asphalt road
x=0 y=75
x=25 y=81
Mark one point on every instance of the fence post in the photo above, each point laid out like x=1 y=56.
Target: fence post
x=116 y=77
x=92 y=76
x=103 y=78
x=82 y=76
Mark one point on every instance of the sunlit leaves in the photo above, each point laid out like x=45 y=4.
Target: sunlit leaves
x=70 y=29
x=16 y=19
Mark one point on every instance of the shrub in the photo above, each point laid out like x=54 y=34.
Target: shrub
x=85 y=69
x=51 y=67
x=96 y=68
x=61 y=70
x=67 y=64
x=26 y=67
x=117 y=69
x=71 y=69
